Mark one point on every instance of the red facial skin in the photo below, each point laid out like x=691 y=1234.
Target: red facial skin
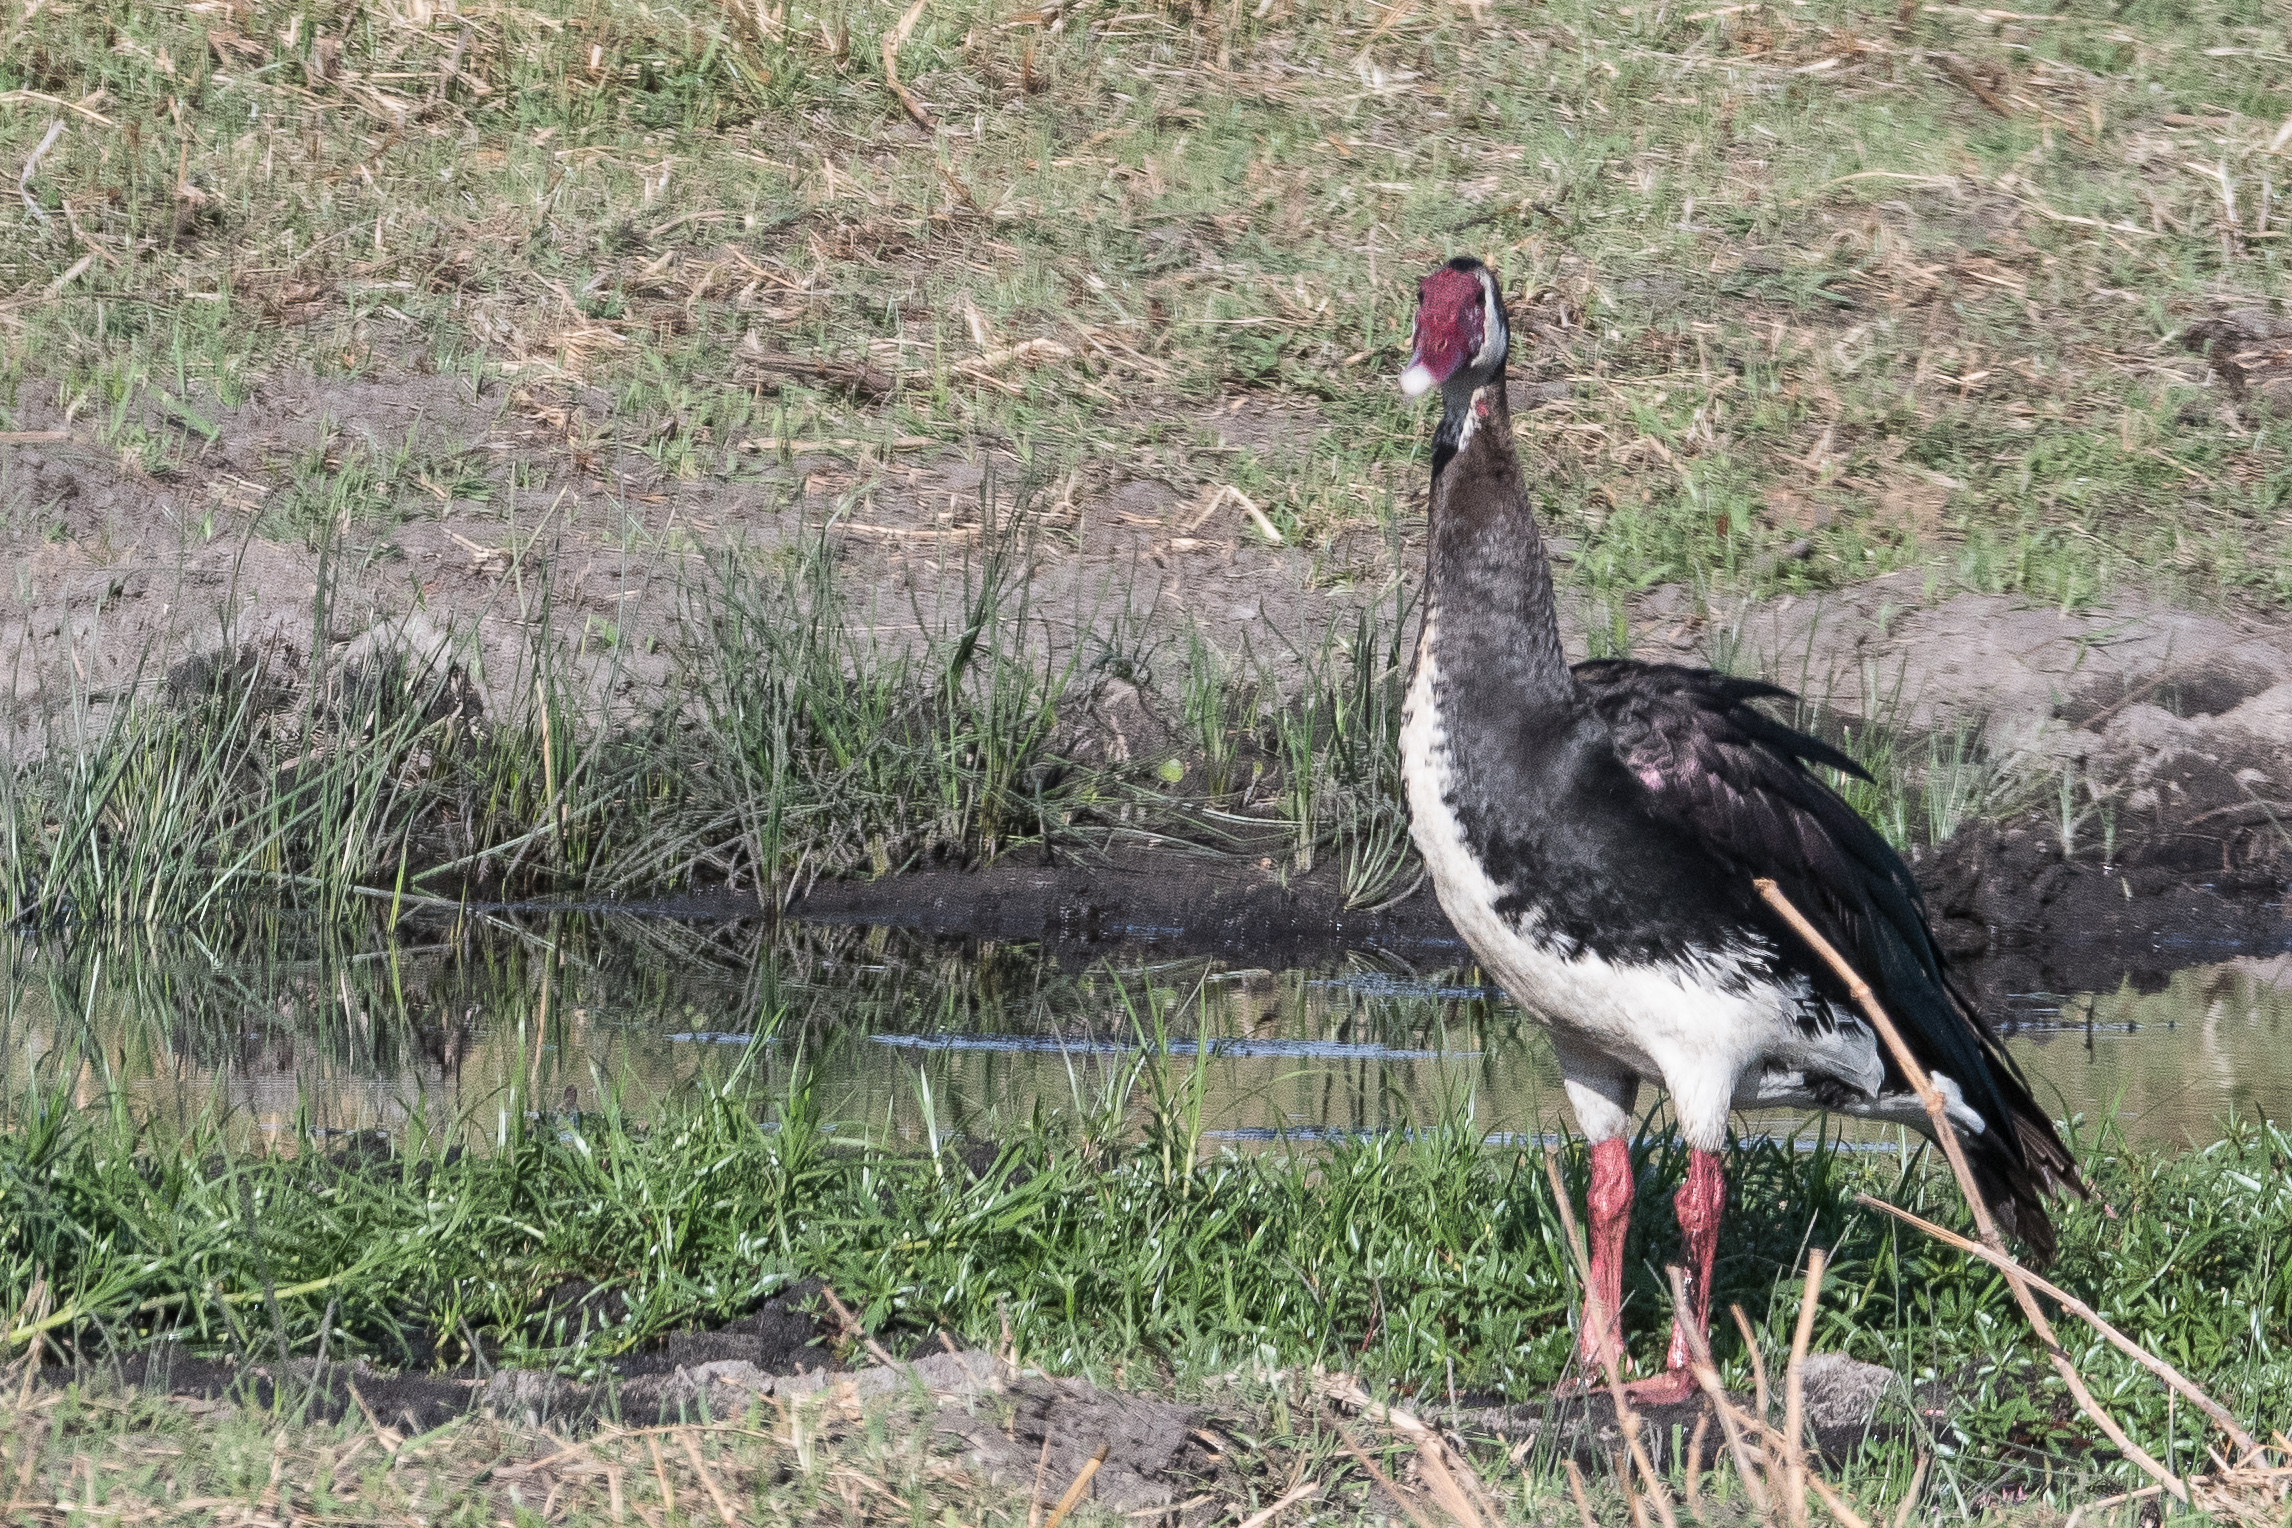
x=1450 y=326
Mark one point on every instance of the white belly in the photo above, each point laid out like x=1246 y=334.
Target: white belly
x=1700 y=1025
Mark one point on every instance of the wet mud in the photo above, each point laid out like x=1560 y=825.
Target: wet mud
x=2014 y=912
x=2137 y=825
x=1016 y=1427
x=1179 y=902
x=785 y=1335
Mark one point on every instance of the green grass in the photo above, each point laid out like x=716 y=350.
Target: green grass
x=1798 y=285
x=794 y=743
x=155 y=1179
x=1795 y=282
x=1111 y=1240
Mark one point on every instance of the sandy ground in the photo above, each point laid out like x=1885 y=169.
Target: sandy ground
x=117 y=574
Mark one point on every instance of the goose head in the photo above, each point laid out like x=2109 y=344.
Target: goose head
x=1461 y=337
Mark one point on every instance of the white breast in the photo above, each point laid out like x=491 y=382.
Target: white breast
x=1695 y=1024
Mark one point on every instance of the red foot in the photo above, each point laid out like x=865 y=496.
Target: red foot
x=1577 y=1386
x=1670 y=1388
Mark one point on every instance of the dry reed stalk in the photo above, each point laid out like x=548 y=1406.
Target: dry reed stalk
x=1627 y=1418
x=1910 y=1497
x=1732 y=1423
x=1448 y=1475
x=852 y=1328
x=1788 y=1445
x=389 y=1437
x=1583 y=1501
x=1838 y=1505
x=32 y=168
x=753 y=21
x=2107 y=1502
x=1042 y=1473
x=1394 y=13
x=661 y=1477
x=2246 y=1444
x=1962 y=74
x=1622 y=1467
x=1381 y=1478
x=1758 y=1361
x=1690 y=1479
x=691 y=1441
x=78 y=108
x=893 y=41
x=1075 y=1490
x=1946 y=1134
x=2249 y=1493
x=1795 y=1396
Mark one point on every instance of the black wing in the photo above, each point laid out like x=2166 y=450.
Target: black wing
x=1739 y=781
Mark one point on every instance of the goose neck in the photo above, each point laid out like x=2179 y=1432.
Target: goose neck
x=1489 y=580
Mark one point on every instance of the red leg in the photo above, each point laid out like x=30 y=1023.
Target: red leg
x=1610 y=1206
x=1699 y=1203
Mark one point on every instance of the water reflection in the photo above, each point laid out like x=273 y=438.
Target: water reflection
x=909 y=1037
x=2171 y=1065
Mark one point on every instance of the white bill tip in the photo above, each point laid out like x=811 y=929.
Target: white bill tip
x=1418 y=380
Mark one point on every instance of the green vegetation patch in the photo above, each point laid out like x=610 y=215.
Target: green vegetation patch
x=1117 y=1243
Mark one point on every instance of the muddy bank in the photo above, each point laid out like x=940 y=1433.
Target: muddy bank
x=1174 y=901
x=2016 y=914
x=511 y=526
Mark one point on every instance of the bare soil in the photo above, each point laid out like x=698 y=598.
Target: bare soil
x=2167 y=730
x=1012 y=1426
x=121 y=575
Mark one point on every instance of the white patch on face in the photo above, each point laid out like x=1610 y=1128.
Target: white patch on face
x=1471 y=419
x=1492 y=334
x=1674 y=1023
x=1418 y=380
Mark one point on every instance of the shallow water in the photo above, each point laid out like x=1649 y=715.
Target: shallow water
x=907 y=1037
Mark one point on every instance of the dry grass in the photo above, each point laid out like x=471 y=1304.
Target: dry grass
x=1819 y=290
x=96 y=1455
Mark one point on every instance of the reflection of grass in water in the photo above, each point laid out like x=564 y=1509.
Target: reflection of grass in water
x=1106 y=1235
x=291 y=1025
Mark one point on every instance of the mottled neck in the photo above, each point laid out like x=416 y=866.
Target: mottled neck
x=1488 y=581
